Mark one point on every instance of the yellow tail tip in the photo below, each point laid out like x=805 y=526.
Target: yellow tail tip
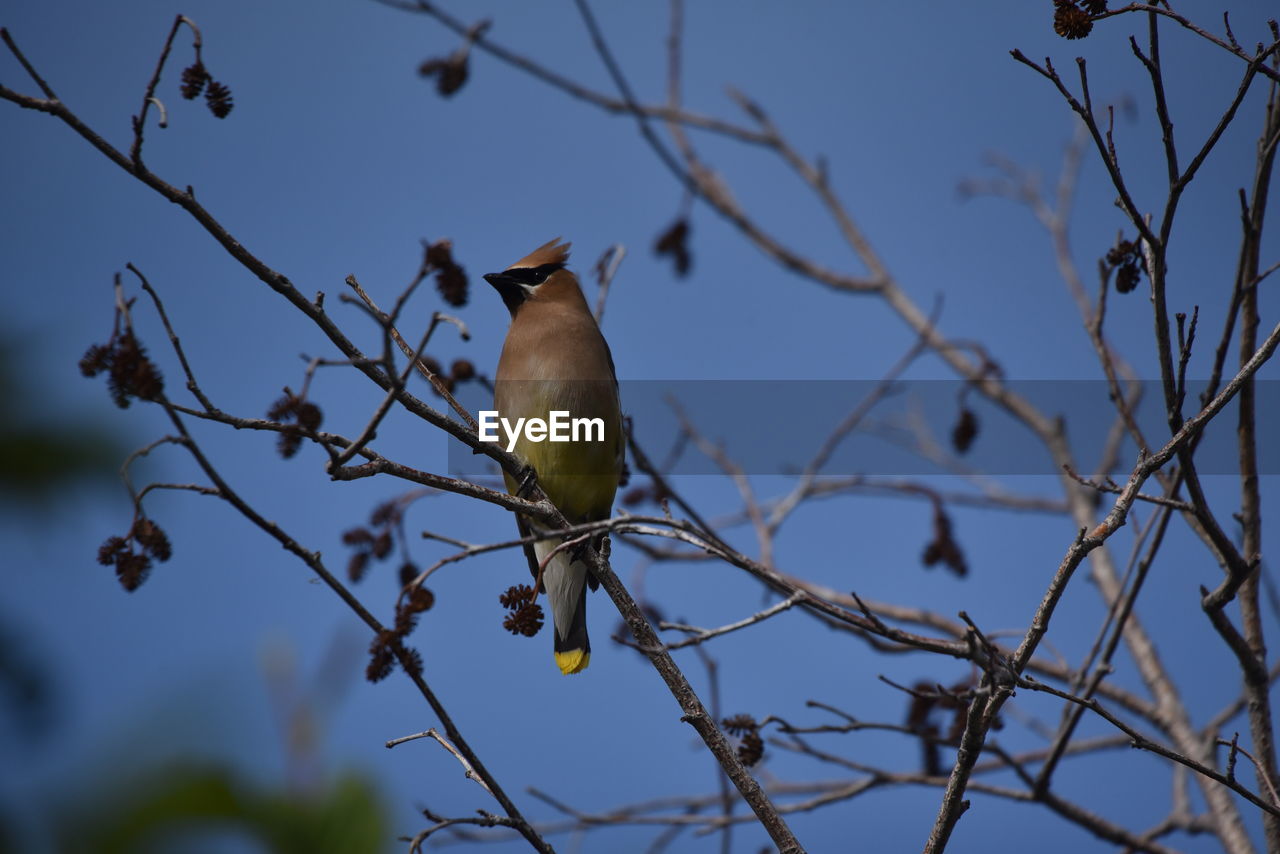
x=573 y=661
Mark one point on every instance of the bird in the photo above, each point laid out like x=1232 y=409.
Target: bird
x=554 y=358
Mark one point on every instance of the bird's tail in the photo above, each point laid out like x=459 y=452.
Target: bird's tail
x=565 y=581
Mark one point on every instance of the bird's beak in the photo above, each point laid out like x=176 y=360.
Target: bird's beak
x=508 y=288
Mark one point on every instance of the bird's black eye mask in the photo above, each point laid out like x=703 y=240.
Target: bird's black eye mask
x=532 y=275
x=513 y=284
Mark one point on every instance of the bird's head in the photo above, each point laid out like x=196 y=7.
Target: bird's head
x=538 y=275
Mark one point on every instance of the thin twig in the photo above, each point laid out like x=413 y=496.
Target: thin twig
x=468 y=770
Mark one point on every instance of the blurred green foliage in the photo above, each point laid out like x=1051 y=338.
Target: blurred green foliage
x=180 y=808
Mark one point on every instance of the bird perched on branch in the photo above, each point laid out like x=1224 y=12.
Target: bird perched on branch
x=555 y=360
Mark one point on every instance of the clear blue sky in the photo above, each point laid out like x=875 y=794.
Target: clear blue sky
x=337 y=159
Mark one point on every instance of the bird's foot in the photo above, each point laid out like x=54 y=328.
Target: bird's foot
x=528 y=477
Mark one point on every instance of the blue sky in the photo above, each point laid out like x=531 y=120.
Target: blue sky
x=338 y=159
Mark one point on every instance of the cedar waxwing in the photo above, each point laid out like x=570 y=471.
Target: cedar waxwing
x=555 y=359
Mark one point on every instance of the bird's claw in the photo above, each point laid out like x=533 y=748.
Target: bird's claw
x=527 y=479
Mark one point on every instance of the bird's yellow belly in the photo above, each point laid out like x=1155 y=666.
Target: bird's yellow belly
x=580 y=477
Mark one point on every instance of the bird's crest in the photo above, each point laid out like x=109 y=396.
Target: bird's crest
x=551 y=252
